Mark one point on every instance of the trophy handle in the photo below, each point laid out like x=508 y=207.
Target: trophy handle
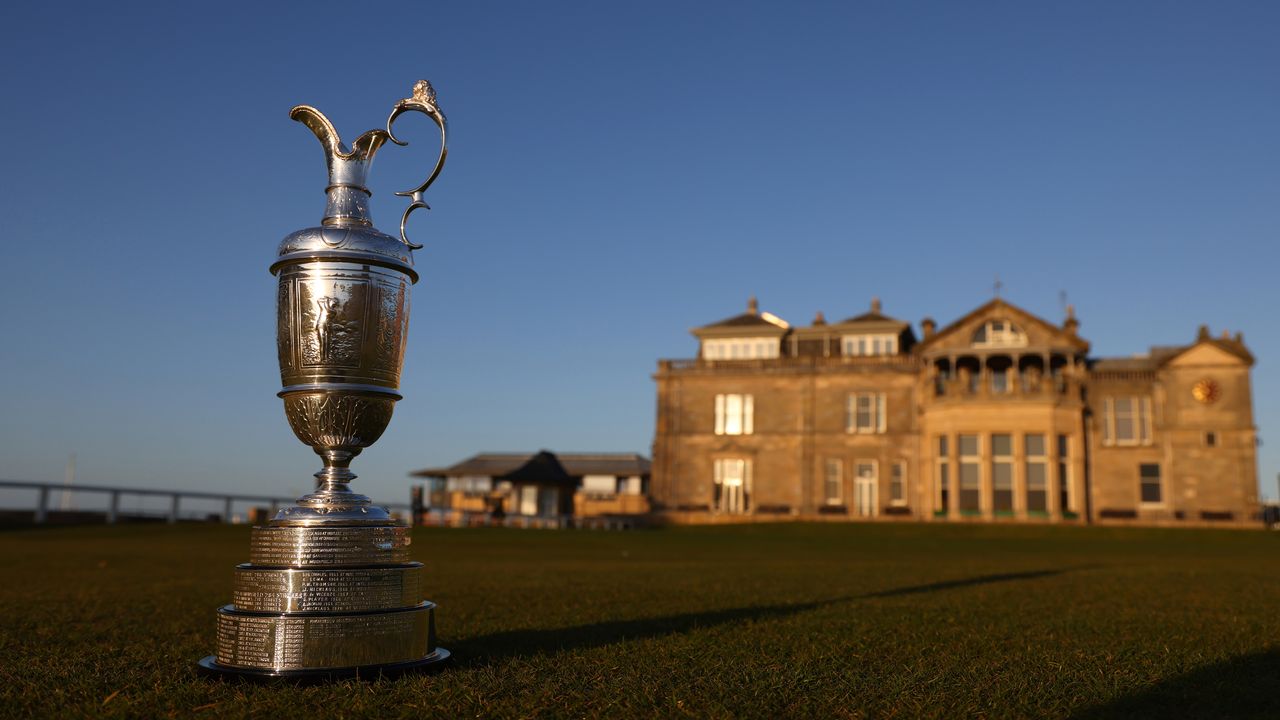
x=423 y=101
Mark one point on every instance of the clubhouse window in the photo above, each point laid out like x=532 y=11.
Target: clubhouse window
x=1064 y=474
x=970 y=473
x=833 y=481
x=741 y=349
x=943 y=474
x=1037 y=473
x=734 y=414
x=898 y=484
x=1126 y=420
x=864 y=413
x=1002 y=472
x=1149 y=480
x=882 y=344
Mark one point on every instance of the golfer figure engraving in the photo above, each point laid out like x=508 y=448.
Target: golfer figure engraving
x=330 y=590
x=325 y=309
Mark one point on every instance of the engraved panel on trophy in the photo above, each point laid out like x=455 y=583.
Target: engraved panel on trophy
x=331 y=310
x=390 y=323
x=284 y=324
x=322 y=419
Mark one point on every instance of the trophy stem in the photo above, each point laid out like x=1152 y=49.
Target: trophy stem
x=334 y=478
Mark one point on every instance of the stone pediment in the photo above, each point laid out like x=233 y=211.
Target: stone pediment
x=1208 y=353
x=997 y=325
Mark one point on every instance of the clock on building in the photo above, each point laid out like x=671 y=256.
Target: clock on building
x=1206 y=391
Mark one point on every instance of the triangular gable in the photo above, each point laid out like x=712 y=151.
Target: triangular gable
x=1039 y=331
x=1209 y=352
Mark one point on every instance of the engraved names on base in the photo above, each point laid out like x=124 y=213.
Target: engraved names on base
x=321 y=546
x=323 y=641
x=337 y=590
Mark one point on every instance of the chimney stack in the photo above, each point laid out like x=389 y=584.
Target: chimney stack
x=929 y=327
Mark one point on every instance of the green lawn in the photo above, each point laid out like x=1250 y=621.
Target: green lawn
x=797 y=620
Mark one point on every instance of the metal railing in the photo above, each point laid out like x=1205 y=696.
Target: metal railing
x=788 y=362
x=112 y=513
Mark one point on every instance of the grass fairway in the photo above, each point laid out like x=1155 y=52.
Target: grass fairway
x=770 y=620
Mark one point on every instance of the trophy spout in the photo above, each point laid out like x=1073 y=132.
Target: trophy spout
x=348 y=190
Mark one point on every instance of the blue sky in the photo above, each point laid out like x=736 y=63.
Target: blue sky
x=617 y=175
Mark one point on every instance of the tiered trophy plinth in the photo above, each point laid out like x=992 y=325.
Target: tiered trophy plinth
x=325 y=602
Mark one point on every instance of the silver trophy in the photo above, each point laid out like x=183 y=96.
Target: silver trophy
x=329 y=590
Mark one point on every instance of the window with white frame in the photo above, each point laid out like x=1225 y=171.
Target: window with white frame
x=469 y=484
x=999 y=333
x=970 y=473
x=898 y=484
x=874 y=344
x=1149 y=481
x=632 y=485
x=1002 y=472
x=833 y=481
x=864 y=413
x=600 y=484
x=749 y=348
x=1126 y=420
x=1036 y=470
x=734 y=414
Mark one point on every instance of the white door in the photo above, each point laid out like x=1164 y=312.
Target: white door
x=865 y=489
x=733 y=483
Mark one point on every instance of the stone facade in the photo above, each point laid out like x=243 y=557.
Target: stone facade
x=999 y=416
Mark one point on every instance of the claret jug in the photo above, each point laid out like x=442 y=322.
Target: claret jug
x=329 y=590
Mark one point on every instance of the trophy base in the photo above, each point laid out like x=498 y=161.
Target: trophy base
x=209 y=667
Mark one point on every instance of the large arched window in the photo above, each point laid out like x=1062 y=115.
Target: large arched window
x=999 y=333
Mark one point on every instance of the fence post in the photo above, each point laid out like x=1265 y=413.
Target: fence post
x=113 y=511
x=173 y=509
x=42 y=507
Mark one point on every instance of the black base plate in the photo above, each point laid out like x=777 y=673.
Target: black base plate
x=209 y=667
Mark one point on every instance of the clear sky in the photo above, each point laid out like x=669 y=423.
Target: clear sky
x=618 y=173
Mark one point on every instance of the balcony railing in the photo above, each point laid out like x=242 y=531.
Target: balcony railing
x=780 y=363
x=1015 y=388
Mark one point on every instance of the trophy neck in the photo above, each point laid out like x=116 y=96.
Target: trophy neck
x=348 y=198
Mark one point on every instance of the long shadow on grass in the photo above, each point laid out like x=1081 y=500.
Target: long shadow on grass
x=1242 y=687
x=521 y=643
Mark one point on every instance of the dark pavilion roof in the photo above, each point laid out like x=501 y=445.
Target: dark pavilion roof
x=743 y=320
x=870 y=317
x=752 y=318
x=543 y=466
x=874 y=317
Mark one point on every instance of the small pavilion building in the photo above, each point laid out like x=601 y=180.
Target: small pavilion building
x=541 y=489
